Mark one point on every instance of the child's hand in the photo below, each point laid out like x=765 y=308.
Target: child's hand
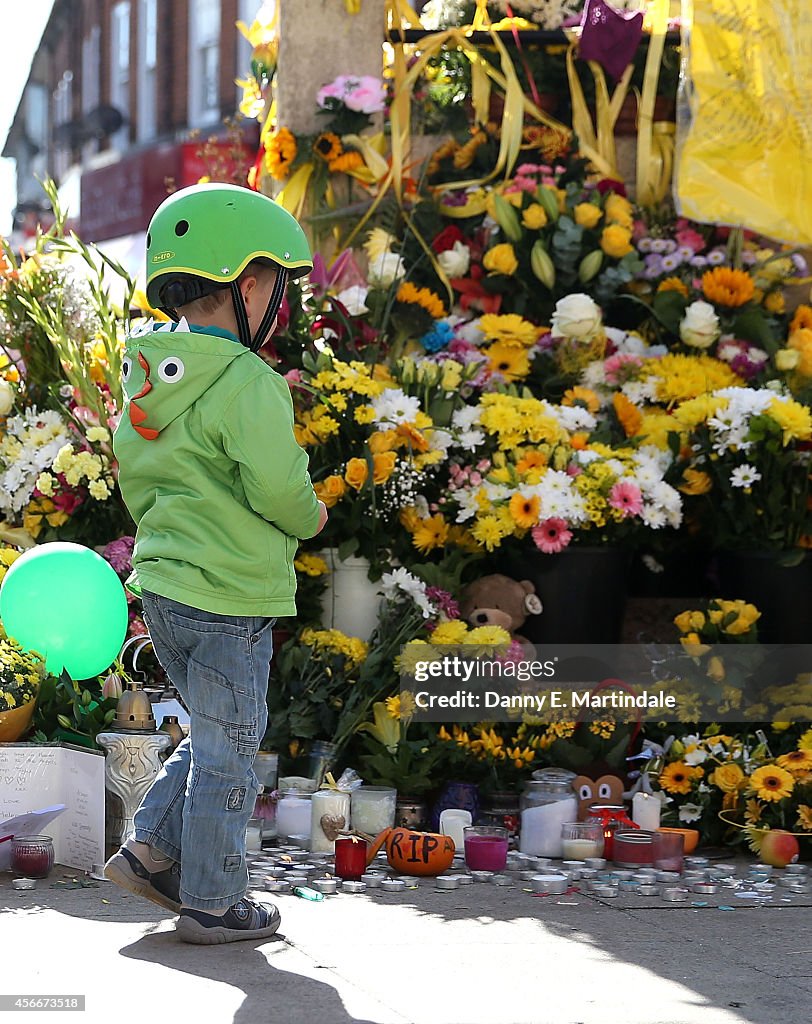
x=322 y=518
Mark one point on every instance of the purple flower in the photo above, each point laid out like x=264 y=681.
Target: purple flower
x=800 y=264
x=685 y=253
x=654 y=267
x=659 y=245
x=644 y=245
x=671 y=261
x=119 y=553
x=699 y=261
x=749 y=258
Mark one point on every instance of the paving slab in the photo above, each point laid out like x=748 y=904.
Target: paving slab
x=476 y=955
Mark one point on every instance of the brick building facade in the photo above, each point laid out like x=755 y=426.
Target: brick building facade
x=115 y=88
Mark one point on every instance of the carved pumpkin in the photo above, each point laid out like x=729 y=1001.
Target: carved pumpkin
x=414 y=853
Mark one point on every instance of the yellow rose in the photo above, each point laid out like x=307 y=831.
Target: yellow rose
x=382 y=466
x=728 y=777
x=587 y=215
x=534 y=217
x=330 y=491
x=356 y=473
x=618 y=211
x=695 y=482
x=382 y=441
x=688 y=621
x=785 y=359
x=616 y=241
x=501 y=259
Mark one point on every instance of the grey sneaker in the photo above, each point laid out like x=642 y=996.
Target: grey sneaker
x=161 y=887
x=245 y=920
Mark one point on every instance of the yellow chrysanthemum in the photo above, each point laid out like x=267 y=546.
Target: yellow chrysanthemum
x=487 y=531
x=488 y=636
x=794 y=419
x=771 y=783
x=728 y=287
x=310 y=565
x=678 y=378
x=805 y=742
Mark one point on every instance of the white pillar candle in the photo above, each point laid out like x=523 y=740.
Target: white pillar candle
x=373 y=809
x=646 y=811
x=336 y=804
x=541 y=827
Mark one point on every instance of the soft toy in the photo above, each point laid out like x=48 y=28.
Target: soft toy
x=598 y=783
x=500 y=601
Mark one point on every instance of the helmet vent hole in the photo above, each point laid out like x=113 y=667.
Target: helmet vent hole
x=149 y=239
x=181 y=227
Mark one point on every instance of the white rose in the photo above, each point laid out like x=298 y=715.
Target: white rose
x=386 y=269
x=576 y=316
x=700 y=325
x=354 y=300
x=7 y=394
x=455 y=261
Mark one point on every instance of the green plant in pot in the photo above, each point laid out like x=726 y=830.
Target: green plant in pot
x=393 y=759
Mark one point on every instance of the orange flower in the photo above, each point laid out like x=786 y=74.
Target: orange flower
x=801 y=341
x=330 y=491
x=356 y=473
x=581 y=396
x=531 y=460
x=409 y=435
x=802 y=319
x=728 y=287
x=423 y=297
x=346 y=163
x=280 y=152
x=525 y=511
x=629 y=416
x=673 y=284
x=328 y=146
x=382 y=466
x=695 y=482
x=579 y=442
x=382 y=441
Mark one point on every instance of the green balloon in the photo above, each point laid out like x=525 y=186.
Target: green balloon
x=65 y=601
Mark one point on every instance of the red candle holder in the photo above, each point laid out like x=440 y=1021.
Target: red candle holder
x=351 y=858
x=32 y=856
x=611 y=817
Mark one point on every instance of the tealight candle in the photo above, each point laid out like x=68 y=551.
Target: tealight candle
x=555 y=884
x=647 y=889
x=353 y=887
x=393 y=885
x=277 y=885
x=481 y=876
x=606 y=891
x=372 y=879
x=599 y=863
x=325 y=885
x=501 y=880
x=465 y=880
x=444 y=882
x=675 y=895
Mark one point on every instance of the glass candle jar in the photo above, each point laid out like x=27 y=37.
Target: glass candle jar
x=293 y=813
x=351 y=858
x=581 y=839
x=633 y=848
x=546 y=804
x=610 y=817
x=32 y=856
x=668 y=850
x=253 y=836
x=372 y=808
x=486 y=847
x=327 y=803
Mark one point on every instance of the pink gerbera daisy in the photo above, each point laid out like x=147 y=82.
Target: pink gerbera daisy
x=626 y=496
x=551 y=535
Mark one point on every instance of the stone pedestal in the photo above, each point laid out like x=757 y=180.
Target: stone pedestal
x=319 y=40
x=133 y=761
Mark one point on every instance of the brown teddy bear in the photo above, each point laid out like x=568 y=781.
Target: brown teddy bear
x=500 y=601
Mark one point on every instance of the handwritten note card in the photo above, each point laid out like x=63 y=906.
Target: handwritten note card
x=37 y=777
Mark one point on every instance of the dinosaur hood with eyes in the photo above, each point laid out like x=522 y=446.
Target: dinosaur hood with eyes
x=167 y=368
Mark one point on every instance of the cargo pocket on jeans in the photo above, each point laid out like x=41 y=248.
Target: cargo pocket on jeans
x=212 y=697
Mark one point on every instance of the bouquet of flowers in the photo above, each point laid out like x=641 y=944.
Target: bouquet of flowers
x=21 y=673
x=392 y=757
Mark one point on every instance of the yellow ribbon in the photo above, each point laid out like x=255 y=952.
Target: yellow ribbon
x=597 y=143
x=293 y=195
x=352 y=6
x=655 y=152
x=329 y=782
x=16 y=536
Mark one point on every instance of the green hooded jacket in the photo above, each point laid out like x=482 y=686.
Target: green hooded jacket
x=211 y=472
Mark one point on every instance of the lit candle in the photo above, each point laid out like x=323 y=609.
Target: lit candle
x=580 y=849
x=646 y=811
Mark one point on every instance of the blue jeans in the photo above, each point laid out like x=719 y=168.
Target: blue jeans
x=197 y=810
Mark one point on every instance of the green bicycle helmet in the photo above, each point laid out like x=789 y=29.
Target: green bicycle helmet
x=201 y=239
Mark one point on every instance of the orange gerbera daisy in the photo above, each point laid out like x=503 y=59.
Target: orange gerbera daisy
x=673 y=284
x=802 y=318
x=525 y=511
x=346 y=163
x=678 y=778
x=797 y=761
x=531 y=460
x=771 y=783
x=728 y=287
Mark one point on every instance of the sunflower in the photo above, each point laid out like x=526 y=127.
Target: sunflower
x=677 y=778
x=423 y=297
x=728 y=287
x=525 y=511
x=805 y=817
x=280 y=152
x=771 y=783
x=327 y=146
x=582 y=396
x=430 y=534
x=796 y=761
x=508 y=360
x=673 y=284
x=346 y=163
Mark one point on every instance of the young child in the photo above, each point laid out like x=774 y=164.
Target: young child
x=219 y=489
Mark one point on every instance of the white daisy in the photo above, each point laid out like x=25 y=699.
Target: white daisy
x=744 y=476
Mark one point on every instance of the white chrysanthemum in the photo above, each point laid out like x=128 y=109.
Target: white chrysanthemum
x=639 y=392
x=393 y=406
x=466 y=417
x=574 y=417
x=468 y=440
x=744 y=476
x=593 y=375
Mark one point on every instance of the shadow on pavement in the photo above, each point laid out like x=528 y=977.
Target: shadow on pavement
x=271 y=994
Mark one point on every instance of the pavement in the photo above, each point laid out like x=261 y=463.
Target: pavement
x=481 y=954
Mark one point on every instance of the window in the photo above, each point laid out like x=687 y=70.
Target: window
x=147 y=68
x=204 y=62
x=63 y=115
x=120 y=68
x=91 y=61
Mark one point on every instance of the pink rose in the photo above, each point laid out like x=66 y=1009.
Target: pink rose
x=367 y=97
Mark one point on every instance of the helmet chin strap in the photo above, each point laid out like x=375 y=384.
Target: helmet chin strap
x=270 y=314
